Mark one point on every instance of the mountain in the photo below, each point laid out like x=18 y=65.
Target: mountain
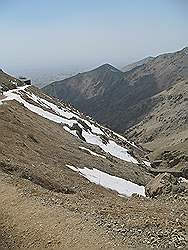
x=148 y=104
x=121 y=100
x=138 y=63
x=85 y=85
x=68 y=182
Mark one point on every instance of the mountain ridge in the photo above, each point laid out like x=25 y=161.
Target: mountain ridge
x=138 y=63
x=97 y=95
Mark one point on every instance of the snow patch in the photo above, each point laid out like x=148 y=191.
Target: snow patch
x=72 y=167
x=147 y=163
x=111 y=147
x=123 y=187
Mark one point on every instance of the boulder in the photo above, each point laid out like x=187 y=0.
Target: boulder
x=163 y=183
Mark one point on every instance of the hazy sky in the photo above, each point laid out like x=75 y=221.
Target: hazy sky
x=85 y=33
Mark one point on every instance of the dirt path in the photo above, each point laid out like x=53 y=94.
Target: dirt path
x=26 y=223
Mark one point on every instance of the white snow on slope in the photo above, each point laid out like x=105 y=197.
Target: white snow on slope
x=181 y=179
x=111 y=147
x=123 y=187
x=62 y=115
x=66 y=113
x=147 y=163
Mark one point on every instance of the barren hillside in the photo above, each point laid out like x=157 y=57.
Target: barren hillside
x=70 y=182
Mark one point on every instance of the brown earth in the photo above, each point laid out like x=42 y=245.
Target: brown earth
x=28 y=221
x=32 y=216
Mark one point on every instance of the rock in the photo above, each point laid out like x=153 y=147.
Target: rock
x=156 y=163
x=85 y=126
x=78 y=131
x=162 y=184
x=173 y=162
x=185 y=172
x=104 y=139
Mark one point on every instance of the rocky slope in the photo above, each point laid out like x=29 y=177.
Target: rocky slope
x=95 y=140
x=85 y=85
x=164 y=131
x=69 y=181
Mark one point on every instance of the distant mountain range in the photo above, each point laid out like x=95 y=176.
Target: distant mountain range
x=42 y=77
x=121 y=99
